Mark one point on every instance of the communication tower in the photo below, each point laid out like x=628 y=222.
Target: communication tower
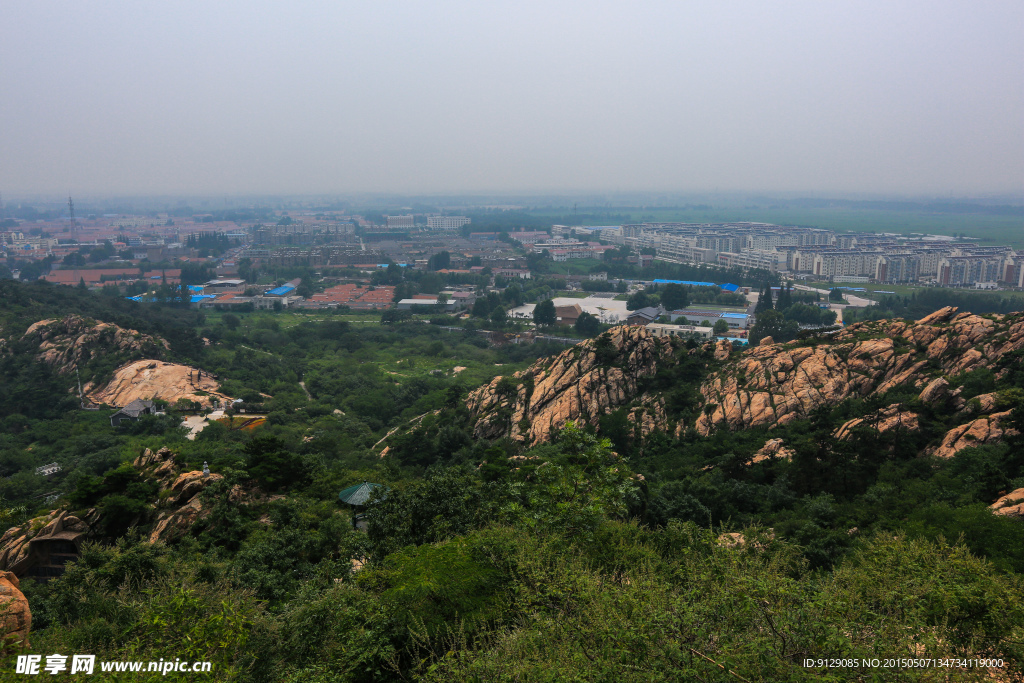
x=74 y=226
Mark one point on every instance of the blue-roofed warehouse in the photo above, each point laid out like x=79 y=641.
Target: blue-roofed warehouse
x=692 y=283
x=283 y=290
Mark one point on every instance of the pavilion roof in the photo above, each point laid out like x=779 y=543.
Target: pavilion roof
x=358 y=494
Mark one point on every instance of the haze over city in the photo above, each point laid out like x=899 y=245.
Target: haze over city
x=410 y=97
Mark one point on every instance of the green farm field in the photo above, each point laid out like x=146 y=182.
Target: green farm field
x=907 y=290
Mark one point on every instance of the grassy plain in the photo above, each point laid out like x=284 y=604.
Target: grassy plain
x=907 y=290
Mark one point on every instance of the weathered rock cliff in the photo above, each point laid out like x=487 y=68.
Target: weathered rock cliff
x=884 y=420
x=776 y=383
x=176 y=507
x=15 y=615
x=580 y=384
x=178 y=504
x=989 y=429
x=59 y=525
x=72 y=341
x=1010 y=505
x=773 y=449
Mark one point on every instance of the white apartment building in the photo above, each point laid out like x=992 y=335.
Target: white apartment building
x=960 y=271
x=401 y=221
x=893 y=268
x=446 y=222
x=752 y=258
x=613 y=235
x=684 y=249
x=856 y=262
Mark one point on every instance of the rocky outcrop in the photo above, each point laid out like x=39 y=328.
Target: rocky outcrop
x=580 y=384
x=737 y=541
x=771 y=384
x=776 y=383
x=15 y=615
x=149 y=379
x=25 y=545
x=983 y=403
x=177 y=507
x=935 y=392
x=884 y=420
x=159 y=465
x=984 y=430
x=72 y=341
x=178 y=504
x=1010 y=505
x=649 y=415
x=173 y=524
x=723 y=349
x=773 y=449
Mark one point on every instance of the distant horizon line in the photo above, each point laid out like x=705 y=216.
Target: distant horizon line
x=592 y=198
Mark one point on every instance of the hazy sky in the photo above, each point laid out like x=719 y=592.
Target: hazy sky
x=447 y=96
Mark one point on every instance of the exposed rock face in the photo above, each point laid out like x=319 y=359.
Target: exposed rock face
x=189 y=484
x=723 y=349
x=572 y=386
x=1010 y=505
x=649 y=415
x=149 y=379
x=774 y=384
x=737 y=541
x=884 y=420
x=179 y=506
x=15 y=615
x=773 y=449
x=936 y=391
x=175 y=523
x=983 y=403
x=16 y=545
x=983 y=430
x=71 y=341
x=161 y=466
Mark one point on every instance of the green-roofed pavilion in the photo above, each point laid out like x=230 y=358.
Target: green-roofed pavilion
x=358 y=494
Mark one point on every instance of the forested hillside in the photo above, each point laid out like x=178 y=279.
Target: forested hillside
x=630 y=507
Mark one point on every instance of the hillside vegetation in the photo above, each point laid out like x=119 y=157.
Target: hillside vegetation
x=628 y=508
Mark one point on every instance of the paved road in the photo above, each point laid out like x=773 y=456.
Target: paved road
x=564 y=340
x=196 y=423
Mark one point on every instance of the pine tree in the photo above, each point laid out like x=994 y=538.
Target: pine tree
x=764 y=299
x=785 y=298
